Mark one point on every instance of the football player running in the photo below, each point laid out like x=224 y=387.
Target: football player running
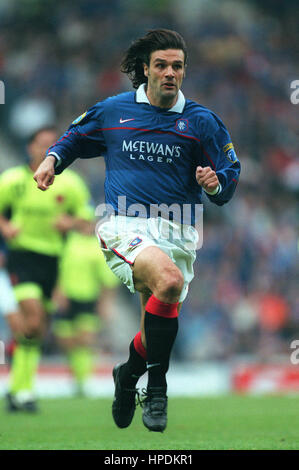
x=162 y=151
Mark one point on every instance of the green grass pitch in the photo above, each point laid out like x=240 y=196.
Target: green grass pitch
x=229 y=422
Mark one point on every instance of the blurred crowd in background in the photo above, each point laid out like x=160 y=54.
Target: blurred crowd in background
x=59 y=58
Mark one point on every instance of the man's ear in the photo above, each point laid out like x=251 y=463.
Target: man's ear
x=145 y=69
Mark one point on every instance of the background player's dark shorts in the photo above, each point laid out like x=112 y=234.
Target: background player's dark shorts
x=28 y=266
x=76 y=308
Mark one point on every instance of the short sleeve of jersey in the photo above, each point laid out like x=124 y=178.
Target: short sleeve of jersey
x=219 y=153
x=83 y=139
x=107 y=278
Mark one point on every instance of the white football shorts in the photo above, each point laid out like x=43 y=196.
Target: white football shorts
x=123 y=238
x=8 y=303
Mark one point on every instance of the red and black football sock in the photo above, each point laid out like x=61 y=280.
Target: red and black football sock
x=161 y=327
x=135 y=367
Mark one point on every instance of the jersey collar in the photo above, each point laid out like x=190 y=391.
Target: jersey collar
x=141 y=97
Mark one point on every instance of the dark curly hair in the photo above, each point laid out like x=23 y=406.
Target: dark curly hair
x=140 y=51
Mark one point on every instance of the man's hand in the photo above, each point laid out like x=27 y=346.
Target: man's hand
x=207 y=178
x=8 y=229
x=65 y=223
x=44 y=175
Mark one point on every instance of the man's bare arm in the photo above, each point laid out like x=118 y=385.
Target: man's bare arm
x=45 y=174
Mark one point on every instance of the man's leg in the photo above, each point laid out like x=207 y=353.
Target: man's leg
x=27 y=353
x=79 y=352
x=160 y=282
x=81 y=357
x=15 y=322
x=126 y=377
x=155 y=270
x=136 y=366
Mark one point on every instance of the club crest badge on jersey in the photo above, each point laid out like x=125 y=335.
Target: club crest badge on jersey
x=182 y=125
x=79 y=118
x=135 y=242
x=59 y=198
x=230 y=153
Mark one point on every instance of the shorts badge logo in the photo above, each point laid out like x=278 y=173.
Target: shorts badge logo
x=135 y=242
x=182 y=125
x=230 y=153
x=79 y=119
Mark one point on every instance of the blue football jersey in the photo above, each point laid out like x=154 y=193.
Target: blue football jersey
x=151 y=153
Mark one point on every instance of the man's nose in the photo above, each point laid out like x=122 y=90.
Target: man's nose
x=169 y=71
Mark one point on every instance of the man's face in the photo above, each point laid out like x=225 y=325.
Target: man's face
x=165 y=74
x=38 y=147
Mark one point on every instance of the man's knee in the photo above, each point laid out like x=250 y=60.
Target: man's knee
x=34 y=324
x=34 y=317
x=170 y=285
x=34 y=327
x=154 y=272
